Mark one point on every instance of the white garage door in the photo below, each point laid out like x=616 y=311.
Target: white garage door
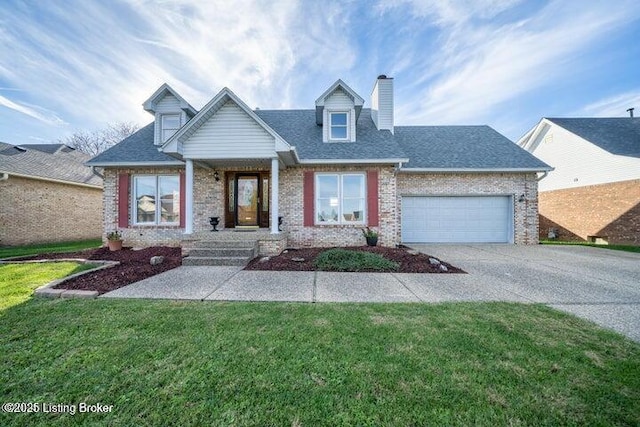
x=473 y=219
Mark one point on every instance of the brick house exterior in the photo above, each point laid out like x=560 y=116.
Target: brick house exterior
x=50 y=196
x=593 y=194
x=606 y=212
x=327 y=173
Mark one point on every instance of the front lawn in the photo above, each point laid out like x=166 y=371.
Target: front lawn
x=47 y=248
x=18 y=281
x=185 y=363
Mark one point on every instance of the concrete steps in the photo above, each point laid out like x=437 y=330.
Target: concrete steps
x=219 y=253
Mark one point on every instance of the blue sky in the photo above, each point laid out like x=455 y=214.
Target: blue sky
x=77 y=65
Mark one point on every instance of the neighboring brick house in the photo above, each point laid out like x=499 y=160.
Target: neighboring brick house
x=48 y=195
x=327 y=172
x=593 y=194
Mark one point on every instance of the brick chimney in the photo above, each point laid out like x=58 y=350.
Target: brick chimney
x=382 y=103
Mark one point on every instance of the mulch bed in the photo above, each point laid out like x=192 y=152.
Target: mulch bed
x=409 y=262
x=134 y=266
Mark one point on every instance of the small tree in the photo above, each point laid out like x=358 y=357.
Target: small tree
x=95 y=142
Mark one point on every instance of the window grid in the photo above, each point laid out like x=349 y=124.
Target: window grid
x=339 y=126
x=170 y=125
x=145 y=207
x=341 y=215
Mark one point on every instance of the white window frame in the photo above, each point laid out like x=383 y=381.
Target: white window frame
x=341 y=221
x=158 y=202
x=347 y=126
x=163 y=129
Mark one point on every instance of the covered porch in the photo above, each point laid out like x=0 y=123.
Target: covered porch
x=239 y=196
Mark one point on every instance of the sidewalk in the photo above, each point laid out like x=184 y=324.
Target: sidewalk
x=235 y=284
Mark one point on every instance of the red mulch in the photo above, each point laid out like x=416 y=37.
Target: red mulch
x=134 y=266
x=409 y=263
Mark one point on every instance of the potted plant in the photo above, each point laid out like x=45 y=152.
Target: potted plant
x=114 y=240
x=371 y=236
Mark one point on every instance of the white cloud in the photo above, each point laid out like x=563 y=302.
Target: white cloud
x=451 y=12
x=38 y=113
x=614 y=106
x=483 y=66
x=96 y=63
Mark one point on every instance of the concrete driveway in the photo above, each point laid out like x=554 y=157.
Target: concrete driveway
x=600 y=285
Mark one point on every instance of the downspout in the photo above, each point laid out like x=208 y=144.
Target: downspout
x=544 y=175
x=397 y=168
x=95 y=172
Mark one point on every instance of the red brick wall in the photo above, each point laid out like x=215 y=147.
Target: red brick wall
x=610 y=210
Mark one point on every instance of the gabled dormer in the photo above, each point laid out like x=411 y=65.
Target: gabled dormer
x=171 y=112
x=337 y=111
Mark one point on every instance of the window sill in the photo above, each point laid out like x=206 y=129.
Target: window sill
x=340 y=224
x=177 y=225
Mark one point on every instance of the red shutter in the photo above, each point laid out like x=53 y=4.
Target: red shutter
x=182 y=199
x=307 y=195
x=372 y=198
x=123 y=200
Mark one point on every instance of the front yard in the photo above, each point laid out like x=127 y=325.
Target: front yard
x=181 y=363
x=18 y=281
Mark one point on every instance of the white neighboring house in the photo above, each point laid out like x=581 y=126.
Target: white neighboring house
x=594 y=191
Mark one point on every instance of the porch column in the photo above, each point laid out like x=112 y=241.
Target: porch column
x=188 y=198
x=275 y=183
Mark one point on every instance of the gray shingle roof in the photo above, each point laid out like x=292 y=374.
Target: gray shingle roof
x=619 y=135
x=136 y=148
x=434 y=147
x=299 y=129
x=462 y=147
x=47 y=161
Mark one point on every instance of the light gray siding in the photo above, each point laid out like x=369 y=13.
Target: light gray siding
x=382 y=104
x=339 y=101
x=230 y=134
x=578 y=162
x=169 y=104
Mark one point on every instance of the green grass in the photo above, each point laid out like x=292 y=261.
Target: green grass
x=18 y=281
x=185 y=363
x=13 y=251
x=626 y=248
x=346 y=260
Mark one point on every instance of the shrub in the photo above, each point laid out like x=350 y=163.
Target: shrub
x=346 y=260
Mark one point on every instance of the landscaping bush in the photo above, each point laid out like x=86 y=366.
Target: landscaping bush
x=345 y=260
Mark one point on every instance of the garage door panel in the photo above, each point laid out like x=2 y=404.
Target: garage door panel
x=468 y=219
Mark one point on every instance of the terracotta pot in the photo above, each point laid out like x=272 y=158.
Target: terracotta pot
x=114 y=245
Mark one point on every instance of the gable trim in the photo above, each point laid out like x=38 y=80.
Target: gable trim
x=358 y=101
x=150 y=104
x=42 y=178
x=173 y=144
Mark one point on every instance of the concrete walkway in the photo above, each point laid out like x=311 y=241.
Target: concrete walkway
x=597 y=284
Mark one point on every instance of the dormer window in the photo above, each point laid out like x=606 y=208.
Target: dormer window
x=339 y=126
x=170 y=125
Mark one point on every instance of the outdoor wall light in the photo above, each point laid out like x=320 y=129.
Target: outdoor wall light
x=216 y=176
x=521 y=198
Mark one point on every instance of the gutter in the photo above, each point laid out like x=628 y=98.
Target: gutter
x=42 y=178
x=473 y=170
x=543 y=176
x=133 y=164
x=349 y=161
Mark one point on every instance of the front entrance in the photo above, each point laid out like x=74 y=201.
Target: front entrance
x=247 y=200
